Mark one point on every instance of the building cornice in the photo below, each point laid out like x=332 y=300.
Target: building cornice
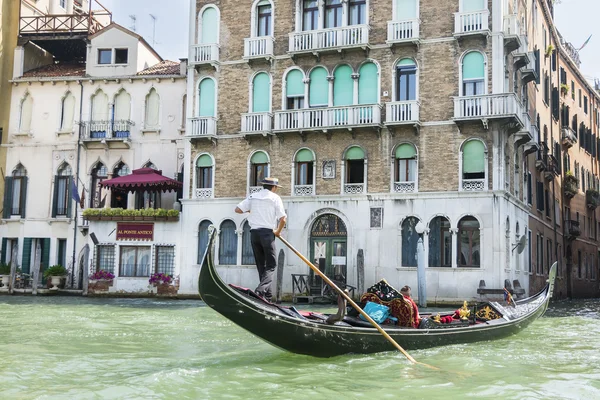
x=116 y=79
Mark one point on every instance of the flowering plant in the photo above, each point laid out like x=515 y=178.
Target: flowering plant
x=159 y=277
x=102 y=274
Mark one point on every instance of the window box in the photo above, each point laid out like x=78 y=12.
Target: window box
x=117 y=214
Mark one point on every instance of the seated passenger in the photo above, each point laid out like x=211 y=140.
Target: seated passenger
x=406 y=292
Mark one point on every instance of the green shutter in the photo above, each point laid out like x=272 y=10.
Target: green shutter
x=473 y=66
x=405 y=151
x=8 y=198
x=210 y=25
x=207 y=98
x=69 y=197
x=46 y=254
x=355 y=153
x=24 y=196
x=4 y=246
x=259 y=158
x=343 y=86
x=406 y=62
x=294 y=85
x=55 y=197
x=319 y=87
x=261 y=93
x=406 y=9
x=26 y=259
x=473 y=5
x=204 y=161
x=304 y=155
x=367 y=84
x=473 y=157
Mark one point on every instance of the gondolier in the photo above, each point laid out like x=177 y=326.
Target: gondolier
x=266 y=209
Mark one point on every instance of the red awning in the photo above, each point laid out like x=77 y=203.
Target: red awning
x=143 y=180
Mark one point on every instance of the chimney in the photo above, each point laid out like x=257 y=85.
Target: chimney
x=183 y=66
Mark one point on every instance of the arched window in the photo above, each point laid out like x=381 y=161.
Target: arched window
x=97 y=195
x=209 y=26
x=474 y=166
x=261 y=93
x=67 y=113
x=440 y=243
x=318 y=95
x=204 y=177
x=247 y=253
x=202 y=238
x=304 y=180
x=122 y=115
x=355 y=171
x=410 y=239
x=259 y=169
x=294 y=90
x=99 y=122
x=406 y=80
x=228 y=243
x=15 y=193
x=343 y=86
x=368 y=84
x=262 y=18
x=152 y=110
x=405 y=169
x=26 y=114
x=469 y=243
x=473 y=74
x=206 y=98
x=61 y=205
x=119 y=198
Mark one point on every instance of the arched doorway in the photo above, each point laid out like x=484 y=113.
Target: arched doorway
x=328 y=239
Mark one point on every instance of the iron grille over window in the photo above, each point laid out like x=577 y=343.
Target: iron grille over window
x=105 y=258
x=165 y=260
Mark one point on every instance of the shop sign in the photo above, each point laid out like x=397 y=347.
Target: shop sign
x=128 y=231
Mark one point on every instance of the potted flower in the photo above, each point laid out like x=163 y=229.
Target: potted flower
x=571 y=184
x=55 y=273
x=116 y=214
x=105 y=214
x=549 y=50
x=173 y=215
x=148 y=214
x=91 y=214
x=564 y=89
x=100 y=281
x=163 y=283
x=127 y=215
x=161 y=214
x=137 y=215
x=4 y=274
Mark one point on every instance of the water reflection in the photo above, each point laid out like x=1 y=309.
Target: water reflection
x=66 y=348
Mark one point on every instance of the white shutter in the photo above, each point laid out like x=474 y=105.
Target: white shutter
x=68 y=113
x=122 y=106
x=152 y=108
x=26 y=111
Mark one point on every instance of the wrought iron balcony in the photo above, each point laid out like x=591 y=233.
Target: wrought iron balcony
x=345 y=117
x=204 y=54
x=329 y=39
x=203 y=127
x=471 y=23
x=257 y=123
x=406 y=31
x=402 y=112
x=259 y=47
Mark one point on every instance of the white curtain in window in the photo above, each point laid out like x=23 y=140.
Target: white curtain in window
x=100 y=107
x=26 y=111
x=122 y=106
x=152 y=109
x=68 y=113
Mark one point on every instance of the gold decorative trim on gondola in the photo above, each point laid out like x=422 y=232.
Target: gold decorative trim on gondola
x=487 y=313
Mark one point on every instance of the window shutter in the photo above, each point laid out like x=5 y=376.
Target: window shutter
x=207 y=98
x=473 y=66
x=69 y=197
x=4 y=246
x=261 y=93
x=26 y=259
x=210 y=22
x=473 y=157
x=45 y=254
x=294 y=84
x=319 y=87
x=407 y=9
x=355 y=153
x=100 y=107
x=55 y=197
x=8 y=199
x=368 y=88
x=122 y=106
x=23 y=195
x=537 y=65
x=343 y=86
x=304 y=155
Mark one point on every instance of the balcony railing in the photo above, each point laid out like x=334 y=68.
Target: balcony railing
x=304 y=190
x=473 y=185
x=204 y=53
x=403 y=31
x=257 y=122
x=81 y=21
x=257 y=47
x=404 y=187
x=475 y=22
x=332 y=38
x=204 y=193
x=568 y=137
x=487 y=106
x=101 y=130
x=323 y=118
x=573 y=228
x=203 y=126
x=525 y=135
x=354 y=188
x=402 y=112
x=512 y=32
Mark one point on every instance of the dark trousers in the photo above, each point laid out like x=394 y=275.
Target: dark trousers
x=263 y=246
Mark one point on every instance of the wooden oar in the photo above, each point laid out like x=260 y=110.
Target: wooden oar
x=352 y=303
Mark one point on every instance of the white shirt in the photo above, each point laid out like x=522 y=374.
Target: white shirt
x=265 y=208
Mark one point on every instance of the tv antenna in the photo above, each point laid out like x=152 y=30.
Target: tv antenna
x=154 y=18
x=133 y=21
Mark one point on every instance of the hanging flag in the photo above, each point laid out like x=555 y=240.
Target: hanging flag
x=74 y=191
x=82 y=201
x=585 y=43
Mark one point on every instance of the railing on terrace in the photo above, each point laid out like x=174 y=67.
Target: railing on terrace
x=404 y=187
x=332 y=38
x=304 y=190
x=256 y=122
x=85 y=23
x=402 y=112
x=204 y=193
x=473 y=185
x=487 y=106
x=512 y=26
x=261 y=46
x=205 y=53
x=331 y=117
x=471 y=22
x=100 y=130
x=203 y=126
x=400 y=31
x=354 y=188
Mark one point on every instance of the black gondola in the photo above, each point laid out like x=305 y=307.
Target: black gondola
x=283 y=327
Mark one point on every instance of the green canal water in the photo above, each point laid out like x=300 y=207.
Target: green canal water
x=79 y=348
